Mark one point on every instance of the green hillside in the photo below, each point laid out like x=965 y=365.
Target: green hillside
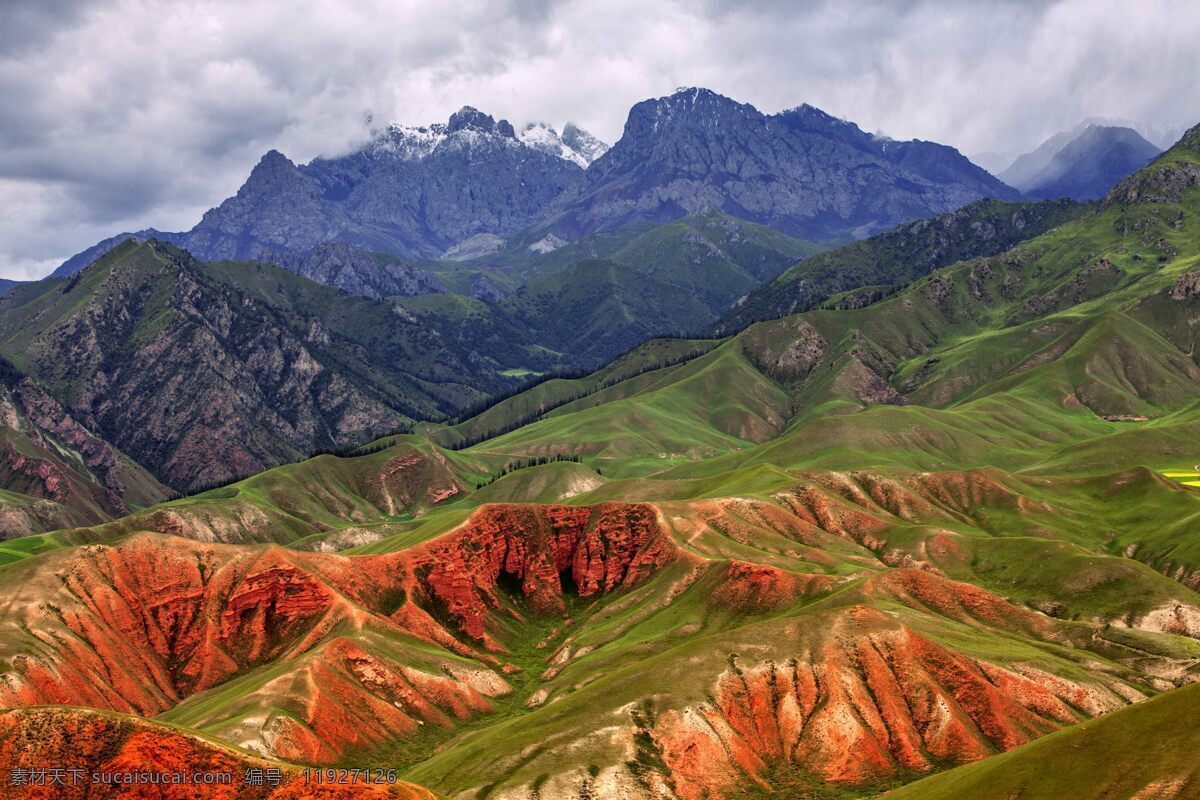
x=582 y=316
x=862 y=272
x=714 y=253
x=1070 y=338
x=583 y=303
x=250 y=363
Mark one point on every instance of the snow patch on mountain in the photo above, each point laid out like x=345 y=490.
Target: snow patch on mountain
x=408 y=142
x=547 y=244
x=582 y=142
x=574 y=144
x=469 y=128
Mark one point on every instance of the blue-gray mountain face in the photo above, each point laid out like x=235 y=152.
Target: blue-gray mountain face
x=801 y=171
x=1082 y=164
x=413 y=191
x=458 y=190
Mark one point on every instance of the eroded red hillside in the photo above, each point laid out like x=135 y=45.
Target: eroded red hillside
x=867 y=698
x=139 y=626
x=546 y=550
x=882 y=671
x=74 y=753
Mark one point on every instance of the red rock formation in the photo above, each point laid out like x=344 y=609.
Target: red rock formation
x=33 y=476
x=92 y=749
x=594 y=550
x=955 y=600
x=48 y=415
x=139 y=626
x=49 y=455
x=860 y=505
x=411 y=479
x=854 y=695
x=872 y=699
x=841 y=516
x=356 y=700
x=754 y=587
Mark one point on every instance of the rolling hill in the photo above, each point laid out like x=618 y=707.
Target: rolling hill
x=865 y=271
x=1051 y=767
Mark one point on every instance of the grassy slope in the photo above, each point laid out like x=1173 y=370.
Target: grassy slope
x=715 y=247
x=1145 y=751
x=684 y=414
x=526 y=406
x=582 y=304
x=855 y=273
x=1006 y=361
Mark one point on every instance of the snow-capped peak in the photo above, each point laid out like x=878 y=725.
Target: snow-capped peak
x=466 y=128
x=583 y=142
x=469 y=128
x=574 y=144
x=408 y=141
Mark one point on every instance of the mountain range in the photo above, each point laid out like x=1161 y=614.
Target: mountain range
x=208 y=373
x=454 y=332
x=754 y=456
x=172 y=359
x=473 y=182
x=802 y=171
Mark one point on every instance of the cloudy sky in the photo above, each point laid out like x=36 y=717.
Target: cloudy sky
x=122 y=114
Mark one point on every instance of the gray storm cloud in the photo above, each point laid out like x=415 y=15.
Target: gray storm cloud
x=126 y=114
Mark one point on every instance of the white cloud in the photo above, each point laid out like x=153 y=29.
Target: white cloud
x=122 y=114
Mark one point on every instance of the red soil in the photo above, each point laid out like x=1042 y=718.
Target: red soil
x=840 y=516
x=956 y=600
x=356 y=700
x=141 y=625
x=595 y=549
x=871 y=699
x=861 y=505
x=755 y=587
x=107 y=744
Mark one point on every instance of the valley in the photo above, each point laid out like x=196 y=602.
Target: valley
x=694 y=506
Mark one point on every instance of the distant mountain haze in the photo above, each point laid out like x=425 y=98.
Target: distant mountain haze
x=1081 y=164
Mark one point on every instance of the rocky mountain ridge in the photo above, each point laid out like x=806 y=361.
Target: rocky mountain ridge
x=411 y=191
x=71 y=476
x=574 y=144
x=801 y=171
x=419 y=192
x=203 y=376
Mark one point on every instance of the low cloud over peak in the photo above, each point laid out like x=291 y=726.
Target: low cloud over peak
x=123 y=114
